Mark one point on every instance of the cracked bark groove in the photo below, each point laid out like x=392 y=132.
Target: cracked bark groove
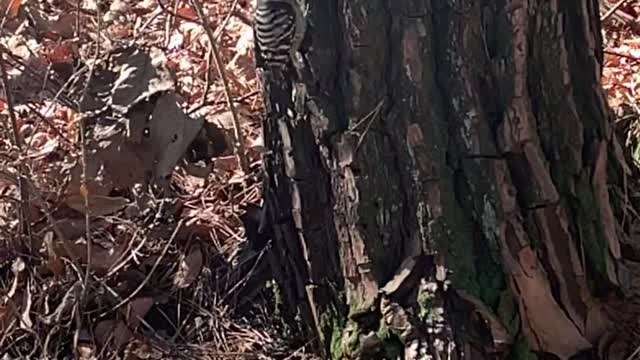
x=469 y=134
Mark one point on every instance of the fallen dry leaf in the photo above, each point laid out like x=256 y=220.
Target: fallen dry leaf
x=102 y=260
x=119 y=332
x=187 y=12
x=86 y=351
x=42 y=150
x=104 y=331
x=17 y=267
x=25 y=318
x=140 y=348
x=195 y=170
x=69 y=300
x=112 y=331
x=98 y=205
x=7 y=318
x=137 y=309
x=189 y=268
x=63 y=26
x=61 y=53
x=226 y=163
x=10 y=8
x=54 y=262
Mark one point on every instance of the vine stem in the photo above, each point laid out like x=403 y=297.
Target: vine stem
x=239 y=141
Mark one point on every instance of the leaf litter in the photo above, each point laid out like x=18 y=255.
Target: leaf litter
x=157 y=266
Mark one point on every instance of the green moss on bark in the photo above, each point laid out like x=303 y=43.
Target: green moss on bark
x=507 y=312
x=521 y=350
x=590 y=232
x=453 y=236
x=332 y=325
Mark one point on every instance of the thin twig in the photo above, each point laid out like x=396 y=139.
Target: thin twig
x=84 y=189
x=208 y=79
x=79 y=8
x=34 y=75
x=247 y=276
x=613 y=9
x=9 y=101
x=153 y=269
x=633 y=355
x=239 y=141
x=24 y=196
x=7 y=12
x=51 y=125
x=301 y=348
x=223 y=24
x=120 y=263
x=174 y=13
x=626 y=56
x=39 y=199
x=171 y=18
x=76 y=31
x=221 y=102
x=371 y=116
x=140 y=31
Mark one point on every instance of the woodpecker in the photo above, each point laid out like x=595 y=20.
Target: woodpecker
x=279 y=30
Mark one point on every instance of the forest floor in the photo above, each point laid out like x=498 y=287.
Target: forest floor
x=621 y=72
x=172 y=275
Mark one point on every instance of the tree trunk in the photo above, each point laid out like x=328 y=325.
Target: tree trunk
x=458 y=155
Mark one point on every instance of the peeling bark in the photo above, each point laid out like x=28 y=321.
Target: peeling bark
x=471 y=136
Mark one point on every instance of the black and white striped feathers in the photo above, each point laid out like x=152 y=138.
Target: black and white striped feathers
x=279 y=29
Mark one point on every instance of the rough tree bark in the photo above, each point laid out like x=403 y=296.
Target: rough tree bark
x=471 y=136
